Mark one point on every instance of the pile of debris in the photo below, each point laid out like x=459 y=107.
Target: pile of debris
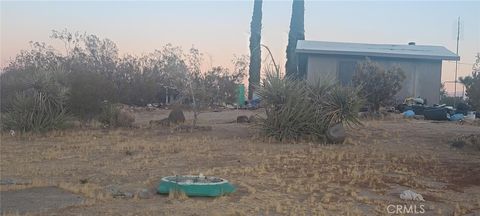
x=414 y=107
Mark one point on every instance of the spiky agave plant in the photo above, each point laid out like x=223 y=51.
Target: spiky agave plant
x=39 y=107
x=341 y=105
x=288 y=111
x=333 y=104
x=296 y=109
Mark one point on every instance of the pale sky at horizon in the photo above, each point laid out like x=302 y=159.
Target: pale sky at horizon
x=220 y=29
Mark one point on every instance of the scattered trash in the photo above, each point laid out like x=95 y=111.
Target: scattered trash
x=419 y=117
x=410 y=195
x=408 y=114
x=456 y=117
x=195 y=185
x=437 y=113
x=253 y=104
x=470 y=116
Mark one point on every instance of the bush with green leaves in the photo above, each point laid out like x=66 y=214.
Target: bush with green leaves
x=113 y=116
x=39 y=106
x=297 y=110
x=472 y=85
x=88 y=90
x=377 y=85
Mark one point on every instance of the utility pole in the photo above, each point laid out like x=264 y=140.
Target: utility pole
x=456 y=64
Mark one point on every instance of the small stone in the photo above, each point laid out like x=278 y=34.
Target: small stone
x=7 y=181
x=127 y=195
x=23 y=182
x=121 y=194
x=112 y=189
x=115 y=192
x=11 y=181
x=144 y=194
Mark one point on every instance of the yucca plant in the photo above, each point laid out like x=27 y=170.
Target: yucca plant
x=288 y=114
x=39 y=107
x=296 y=109
x=338 y=105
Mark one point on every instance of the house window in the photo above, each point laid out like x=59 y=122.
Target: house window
x=345 y=72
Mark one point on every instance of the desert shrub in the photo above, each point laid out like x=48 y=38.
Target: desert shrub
x=38 y=105
x=451 y=101
x=88 y=91
x=377 y=85
x=112 y=116
x=340 y=105
x=472 y=85
x=289 y=113
x=297 y=110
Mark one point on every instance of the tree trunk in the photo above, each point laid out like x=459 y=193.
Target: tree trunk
x=297 y=32
x=255 y=52
x=195 y=108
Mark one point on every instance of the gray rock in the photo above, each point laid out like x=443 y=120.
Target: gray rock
x=120 y=194
x=12 y=181
x=23 y=182
x=144 y=194
x=176 y=116
x=336 y=134
x=242 y=119
x=7 y=181
x=128 y=195
x=115 y=192
x=112 y=189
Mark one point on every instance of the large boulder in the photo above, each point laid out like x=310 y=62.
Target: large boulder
x=176 y=116
x=242 y=119
x=336 y=134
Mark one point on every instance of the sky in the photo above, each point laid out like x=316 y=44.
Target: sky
x=220 y=29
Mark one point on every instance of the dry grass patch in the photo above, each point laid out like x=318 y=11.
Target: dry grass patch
x=360 y=177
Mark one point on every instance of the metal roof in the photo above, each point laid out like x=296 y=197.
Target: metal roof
x=376 y=50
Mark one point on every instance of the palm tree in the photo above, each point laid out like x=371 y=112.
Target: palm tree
x=296 y=67
x=255 y=52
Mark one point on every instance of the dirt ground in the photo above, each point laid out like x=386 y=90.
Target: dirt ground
x=363 y=176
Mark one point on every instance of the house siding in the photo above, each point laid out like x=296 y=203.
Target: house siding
x=423 y=77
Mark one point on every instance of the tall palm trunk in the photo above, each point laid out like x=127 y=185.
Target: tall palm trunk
x=295 y=67
x=255 y=52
